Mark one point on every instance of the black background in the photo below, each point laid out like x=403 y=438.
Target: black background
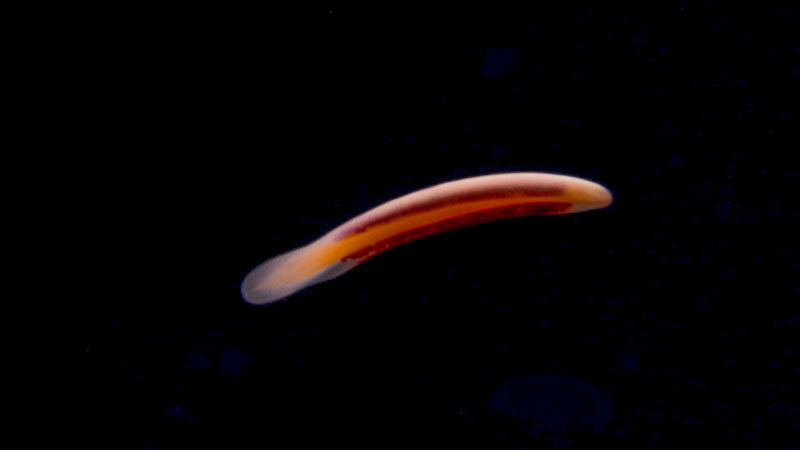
x=218 y=138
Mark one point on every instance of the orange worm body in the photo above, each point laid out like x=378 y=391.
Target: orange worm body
x=432 y=210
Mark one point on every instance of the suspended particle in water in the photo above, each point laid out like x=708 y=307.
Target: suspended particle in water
x=553 y=400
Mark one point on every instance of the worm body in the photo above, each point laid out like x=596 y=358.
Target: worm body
x=428 y=211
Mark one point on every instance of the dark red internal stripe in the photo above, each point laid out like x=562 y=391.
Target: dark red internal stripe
x=485 y=194
x=487 y=215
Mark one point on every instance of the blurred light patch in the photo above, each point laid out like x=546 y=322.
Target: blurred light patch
x=553 y=400
x=234 y=362
x=499 y=61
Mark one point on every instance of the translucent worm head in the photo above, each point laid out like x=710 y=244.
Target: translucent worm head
x=432 y=210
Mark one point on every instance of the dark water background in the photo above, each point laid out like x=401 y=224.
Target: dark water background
x=230 y=135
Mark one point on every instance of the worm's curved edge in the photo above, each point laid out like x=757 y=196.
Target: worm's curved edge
x=282 y=276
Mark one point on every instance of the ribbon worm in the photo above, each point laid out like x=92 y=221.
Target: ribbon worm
x=428 y=211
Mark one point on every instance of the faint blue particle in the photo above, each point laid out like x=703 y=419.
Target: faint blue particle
x=628 y=361
x=176 y=411
x=674 y=161
x=499 y=61
x=721 y=24
x=554 y=400
x=198 y=360
x=722 y=209
x=234 y=362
